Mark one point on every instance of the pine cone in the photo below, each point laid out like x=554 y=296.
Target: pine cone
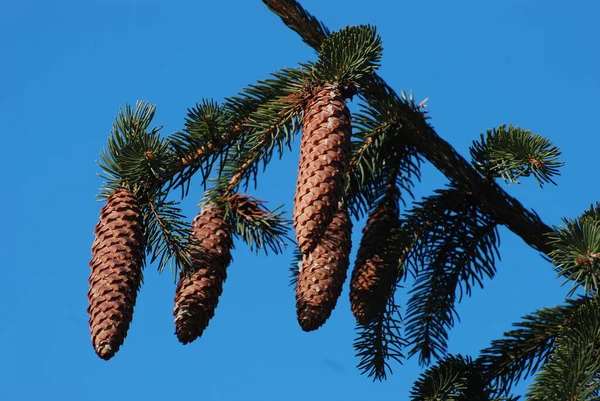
x=324 y=157
x=323 y=272
x=116 y=271
x=197 y=295
x=374 y=273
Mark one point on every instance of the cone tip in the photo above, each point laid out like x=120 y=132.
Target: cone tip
x=105 y=351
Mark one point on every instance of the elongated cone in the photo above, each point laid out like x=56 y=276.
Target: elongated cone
x=324 y=157
x=323 y=272
x=116 y=271
x=375 y=270
x=197 y=295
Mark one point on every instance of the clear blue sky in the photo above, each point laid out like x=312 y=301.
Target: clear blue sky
x=68 y=66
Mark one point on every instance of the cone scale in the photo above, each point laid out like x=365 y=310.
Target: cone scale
x=116 y=271
x=197 y=295
x=324 y=157
x=323 y=272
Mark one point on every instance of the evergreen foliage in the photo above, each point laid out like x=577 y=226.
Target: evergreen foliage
x=572 y=369
x=447 y=242
x=455 y=249
x=576 y=253
x=348 y=55
x=203 y=133
x=257 y=226
x=380 y=342
x=454 y=378
x=511 y=152
x=525 y=348
x=379 y=153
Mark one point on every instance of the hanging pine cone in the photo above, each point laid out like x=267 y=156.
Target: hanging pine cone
x=323 y=272
x=324 y=156
x=375 y=273
x=197 y=295
x=116 y=271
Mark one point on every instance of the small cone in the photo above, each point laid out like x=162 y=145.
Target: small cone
x=323 y=272
x=197 y=295
x=374 y=273
x=116 y=271
x=324 y=157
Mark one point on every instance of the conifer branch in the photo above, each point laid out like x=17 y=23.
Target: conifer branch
x=167 y=236
x=193 y=161
x=456 y=250
x=576 y=253
x=524 y=349
x=246 y=166
x=512 y=152
x=240 y=117
x=379 y=152
x=135 y=155
x=453 y=378
x=572 y=369
x=379 y=267
x=380 y=341
x=271 y=111
x=505 y=209
x=348 y=55
x=208 y=133
x=312 y=31
x=209 y=149
x=256 y=225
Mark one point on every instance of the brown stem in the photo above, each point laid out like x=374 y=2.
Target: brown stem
x=294 y=16
x=205 y=151
x=240 y=174
x=505 y=209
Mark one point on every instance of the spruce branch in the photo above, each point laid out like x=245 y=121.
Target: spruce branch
x=212 y=130
x=184 y=168
x=456 y=246
x=312 y=31
x=257 y=149
x=272 y=110
x=134 y=156
x=378 y=268
x=592 y=213
x=524 y=349
x=576 y=253
x=280 y=84
x=453 y=378
x=571 y=371
x=505 y=209
x=379 y=341
x=207 y=134
x=379 y=152
x=257 y=226
x=512 y=152
x=348 y=55
x=167 y=235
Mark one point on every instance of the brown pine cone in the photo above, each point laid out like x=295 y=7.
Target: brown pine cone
x=375 y=273
x=324 y=156
x=323 y=272
x=197 y=295
x=116 y=271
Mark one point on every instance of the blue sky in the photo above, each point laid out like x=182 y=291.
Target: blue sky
x=68 y=66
